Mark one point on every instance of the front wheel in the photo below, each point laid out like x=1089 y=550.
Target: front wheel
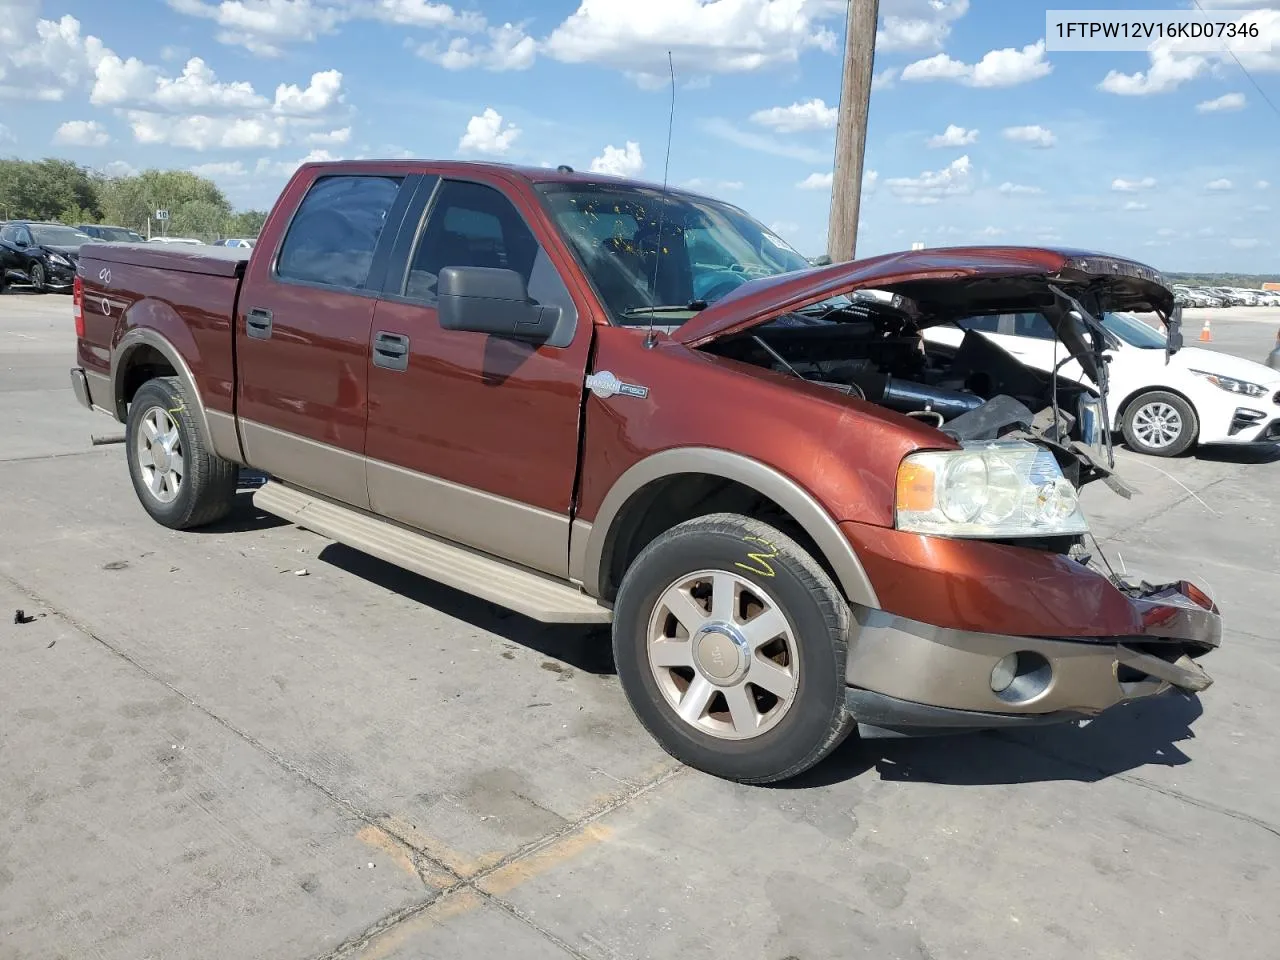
x=180 y=482
x=37 y=277
x=1161 y=424
x=730 y=642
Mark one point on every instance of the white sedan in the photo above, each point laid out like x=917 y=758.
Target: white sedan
x=1162 y=408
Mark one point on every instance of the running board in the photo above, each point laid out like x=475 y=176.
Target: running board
x=515 y=588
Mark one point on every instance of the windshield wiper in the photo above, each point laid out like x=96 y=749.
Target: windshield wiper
x=693 y=306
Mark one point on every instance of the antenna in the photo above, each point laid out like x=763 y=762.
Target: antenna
x=650 y=339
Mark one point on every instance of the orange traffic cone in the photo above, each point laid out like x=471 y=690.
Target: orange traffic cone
x=1206 y=334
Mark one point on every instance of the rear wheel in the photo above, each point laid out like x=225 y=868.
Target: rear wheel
x=730 y=642
x=1161 y=424
x=37 y=275
x=180 y=482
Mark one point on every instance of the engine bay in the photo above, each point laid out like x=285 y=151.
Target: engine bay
x=871 y=348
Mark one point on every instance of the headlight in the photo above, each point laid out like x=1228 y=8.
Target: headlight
x=1231 y=385
x=987 y=489
x=59 y=259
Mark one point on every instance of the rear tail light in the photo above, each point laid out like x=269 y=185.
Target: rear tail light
x=77 y=304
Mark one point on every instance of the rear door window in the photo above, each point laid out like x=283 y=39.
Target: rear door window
x=335 y=231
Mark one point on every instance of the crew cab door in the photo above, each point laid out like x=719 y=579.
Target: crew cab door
x=302 y=331
x=474 y=437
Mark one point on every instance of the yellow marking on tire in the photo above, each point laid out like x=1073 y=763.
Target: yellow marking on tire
x=760 y=564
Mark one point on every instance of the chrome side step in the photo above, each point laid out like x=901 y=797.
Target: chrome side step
x=516 y=588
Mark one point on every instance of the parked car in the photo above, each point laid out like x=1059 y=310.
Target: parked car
x=43 y=255
x=99 y=231
x=187 y=240
x=562 y=393
x=242 y=243
x=1162 y=405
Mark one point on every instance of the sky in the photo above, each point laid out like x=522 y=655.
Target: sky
x=977 y=133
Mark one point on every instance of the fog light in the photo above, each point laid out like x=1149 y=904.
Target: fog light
x=1006 y=669
x=1021 y=677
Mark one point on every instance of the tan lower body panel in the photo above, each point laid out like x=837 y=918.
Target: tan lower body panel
x=533 y=594
x=223 y=436
x=100 y=393
x=317 y=466
x=526 y=535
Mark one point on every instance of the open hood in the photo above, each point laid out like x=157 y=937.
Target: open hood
x=950 y=282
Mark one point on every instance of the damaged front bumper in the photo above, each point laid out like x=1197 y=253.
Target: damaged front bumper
x=908 y=678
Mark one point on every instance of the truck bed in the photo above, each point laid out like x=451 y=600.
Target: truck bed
x=208 y=260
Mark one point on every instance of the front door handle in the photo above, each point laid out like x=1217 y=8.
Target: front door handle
x=390 y=350
x=257 y=323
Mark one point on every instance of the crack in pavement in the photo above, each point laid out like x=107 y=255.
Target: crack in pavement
x=1157 y=514
x=35 y=457
x=420 y=859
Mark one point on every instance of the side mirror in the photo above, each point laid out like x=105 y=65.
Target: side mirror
x=493 y=301
x=20 y=243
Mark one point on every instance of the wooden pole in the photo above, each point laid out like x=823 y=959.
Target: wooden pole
x=851 y=128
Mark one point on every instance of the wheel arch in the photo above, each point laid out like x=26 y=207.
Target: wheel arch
x=143 y=353
x=638 y=503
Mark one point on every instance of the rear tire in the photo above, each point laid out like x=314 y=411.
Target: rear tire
x=179 y=481
x=1160 y=424
x=730 y=642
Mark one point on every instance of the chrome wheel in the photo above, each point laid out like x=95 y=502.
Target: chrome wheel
x=1157 y=425
x=159 y=452
x=723 y=654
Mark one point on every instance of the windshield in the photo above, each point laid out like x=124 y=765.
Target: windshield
x=1133 y=331
x=708 y=248
x=119 y=234
x=56 y=236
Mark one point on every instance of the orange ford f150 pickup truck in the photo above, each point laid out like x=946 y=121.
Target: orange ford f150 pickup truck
x=590 y=400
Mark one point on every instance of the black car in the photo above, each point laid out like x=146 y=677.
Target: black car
x=101 y=231
x=43 y=255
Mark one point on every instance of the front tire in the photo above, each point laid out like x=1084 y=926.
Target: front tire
x=730 y=642
x=179 y=481
x=1160 y=424
x=37 y=276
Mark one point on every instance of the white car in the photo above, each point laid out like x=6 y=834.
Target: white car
x=1162 y=409
x=187 y=240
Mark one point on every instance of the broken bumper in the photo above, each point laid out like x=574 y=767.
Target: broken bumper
x=80 y=387
x=912 y=678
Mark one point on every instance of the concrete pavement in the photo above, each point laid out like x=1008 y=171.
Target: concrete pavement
x=206 y=754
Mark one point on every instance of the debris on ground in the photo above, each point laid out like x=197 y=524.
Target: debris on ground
x=301 y=573
x=51 y=643
x=20 y=616
x=116 y=565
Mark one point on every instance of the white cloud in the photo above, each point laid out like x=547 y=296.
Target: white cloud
x=999 y=68
x=811 y=115
x=6 y=135
x=424 y=13
x=509 y=48
x=261 y=26
x=199 y=132
x=1034 y=135
x=816 y=181
x=224 y=170
x=1018 y=189
x=1261 y=185
x=703 y=36
x=118 y=168
x=1245 y=243
x=321 y=94
x=869 y=180
x=1121 y=185
x=81 y=133
x=713 y=186
x=785 y=227
x=784 y=147
x=1165 y=73
x=286 y=168
x=953 y=136
x=1228 y=101
x=1220 y=184
x=1134 y=205
x=1166 y=232
x=884 y=79
x=42 y=59
x=331 y=138
x=992 y=232
x=932 y=186
x=615 y=162
x=485 y=134
x=917 y=25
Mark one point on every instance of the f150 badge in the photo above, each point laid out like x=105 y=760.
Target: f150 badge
x=605 y=385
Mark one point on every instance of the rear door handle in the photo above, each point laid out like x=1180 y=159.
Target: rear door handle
x=390 y=350
x=257 y=323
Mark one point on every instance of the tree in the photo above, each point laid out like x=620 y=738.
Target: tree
x=130 y=201
x=45 y=189
x=247 y=223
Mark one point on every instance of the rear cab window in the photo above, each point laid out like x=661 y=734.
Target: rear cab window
x=334 y=233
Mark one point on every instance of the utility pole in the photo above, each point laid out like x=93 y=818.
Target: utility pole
x=851 y=128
